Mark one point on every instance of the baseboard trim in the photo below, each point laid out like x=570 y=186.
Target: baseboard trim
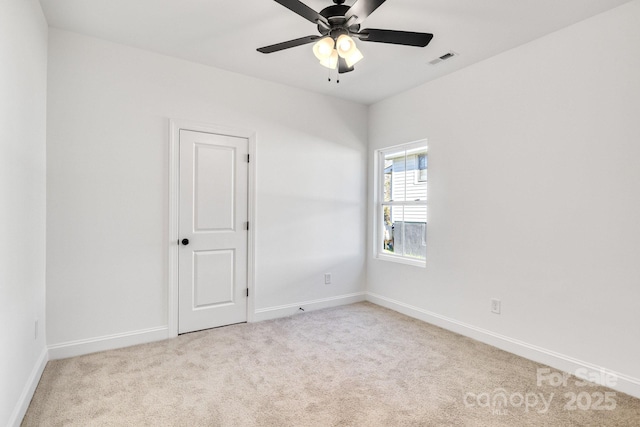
x=107 y=342
x=110 y=342
x=290 y=309
x=29 y=389
x=623 y=383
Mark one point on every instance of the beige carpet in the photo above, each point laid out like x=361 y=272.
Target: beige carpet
x=356 y=365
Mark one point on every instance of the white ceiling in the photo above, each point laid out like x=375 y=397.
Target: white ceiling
x=226 y=34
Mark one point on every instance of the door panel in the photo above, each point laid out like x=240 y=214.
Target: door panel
x=212 y=267
x=213 y=276
x=214 y=188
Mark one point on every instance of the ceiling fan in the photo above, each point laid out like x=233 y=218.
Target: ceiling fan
x=338 y=24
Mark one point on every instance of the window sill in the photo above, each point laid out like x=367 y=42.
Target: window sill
x=402 y=260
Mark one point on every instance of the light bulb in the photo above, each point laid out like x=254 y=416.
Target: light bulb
x=345 y=45
x=324 y=50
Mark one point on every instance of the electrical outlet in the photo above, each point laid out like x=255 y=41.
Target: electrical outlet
x=495 y=306
x=327 y=278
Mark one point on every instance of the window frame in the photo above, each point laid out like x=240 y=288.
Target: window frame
x=379 y=203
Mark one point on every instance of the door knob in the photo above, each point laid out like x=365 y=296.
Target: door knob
x=185 y=242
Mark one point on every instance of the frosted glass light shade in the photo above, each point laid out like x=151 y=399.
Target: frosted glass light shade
x=345 y=46
x=331 y=61
x=323 y=48
x=353 y=58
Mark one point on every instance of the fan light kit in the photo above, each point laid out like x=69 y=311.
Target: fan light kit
x=328 y=51
x=338 y=25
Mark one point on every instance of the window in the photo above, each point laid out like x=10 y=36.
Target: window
x=421 y=173
x=401 y=203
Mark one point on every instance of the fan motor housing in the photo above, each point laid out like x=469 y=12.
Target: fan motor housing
x=336 y=16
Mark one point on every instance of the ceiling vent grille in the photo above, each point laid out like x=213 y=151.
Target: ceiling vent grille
x=443 y=58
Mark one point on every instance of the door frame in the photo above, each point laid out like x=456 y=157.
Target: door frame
x=175 y=126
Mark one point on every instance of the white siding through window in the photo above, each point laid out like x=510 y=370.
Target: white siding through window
x=415 y=189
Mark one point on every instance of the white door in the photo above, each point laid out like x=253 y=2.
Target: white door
x=212 y=265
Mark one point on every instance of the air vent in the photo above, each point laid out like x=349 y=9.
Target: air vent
x=443 y=58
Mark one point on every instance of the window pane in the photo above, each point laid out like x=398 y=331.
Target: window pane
x=417 y=175
x=387 y=180
x=422 y=166
x=395 y=168
x=405 y=175
x=392 y=229
x=415 y=232
x=404 y=231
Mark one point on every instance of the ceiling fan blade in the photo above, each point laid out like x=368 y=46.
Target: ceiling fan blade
x=303 y=10
x=361 y=9
x=342 y=66
x=406 y=38
x=288 y=44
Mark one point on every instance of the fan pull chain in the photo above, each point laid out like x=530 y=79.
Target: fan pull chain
x=337 y=76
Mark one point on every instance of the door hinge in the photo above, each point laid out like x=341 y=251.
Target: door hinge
x=248 y=158
x=246 y=225
x=247 y=291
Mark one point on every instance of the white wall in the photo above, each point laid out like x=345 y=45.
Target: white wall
x=23 y=78
x=534 y=190
x=107 y=210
